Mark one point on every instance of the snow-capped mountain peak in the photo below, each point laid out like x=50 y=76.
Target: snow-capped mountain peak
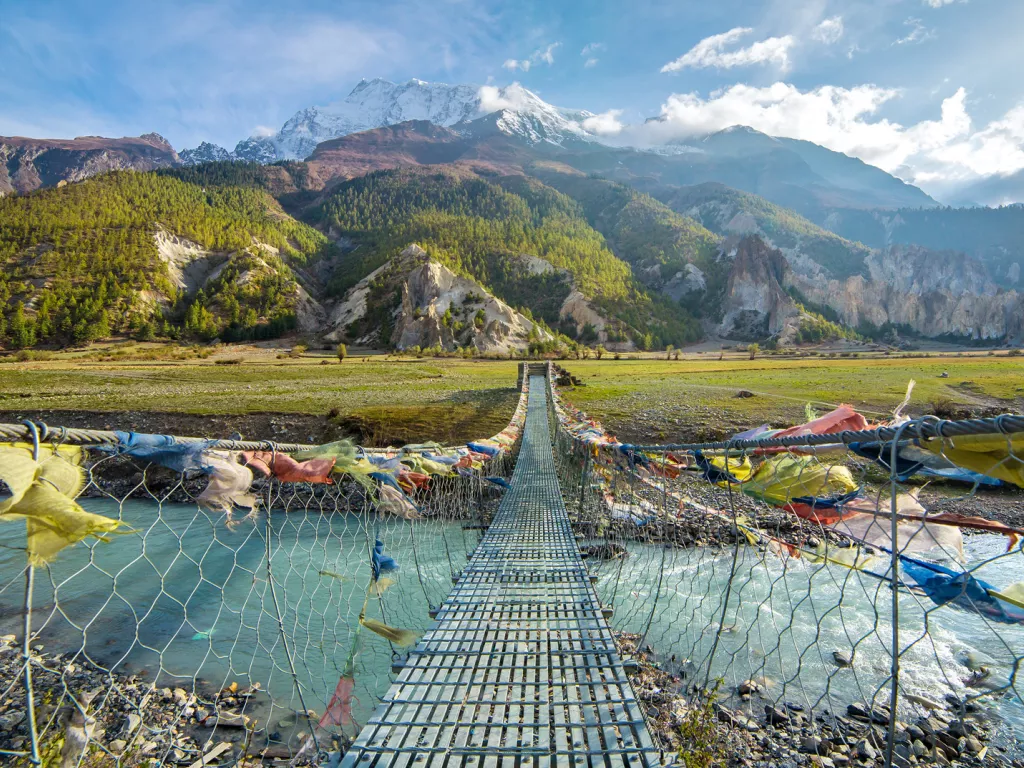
x=376 y=103
x=204 y=153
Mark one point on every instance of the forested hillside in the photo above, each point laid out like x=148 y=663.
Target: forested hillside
x=81 y=262
x=658 y=242
x=482 y=230
x=730 y=211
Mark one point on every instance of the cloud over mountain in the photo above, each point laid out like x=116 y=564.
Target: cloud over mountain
x=714 y=52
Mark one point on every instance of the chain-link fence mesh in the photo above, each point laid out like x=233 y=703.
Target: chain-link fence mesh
x=140 y=624
x=764 y=576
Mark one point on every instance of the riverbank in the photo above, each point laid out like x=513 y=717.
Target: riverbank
x=727 y=728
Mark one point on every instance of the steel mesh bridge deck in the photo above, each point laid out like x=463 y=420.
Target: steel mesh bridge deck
x=520 y=668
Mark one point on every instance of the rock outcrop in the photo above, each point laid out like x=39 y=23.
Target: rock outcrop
x=435 y=308
x=28 y=164
x=936 y=293
x=756 y=304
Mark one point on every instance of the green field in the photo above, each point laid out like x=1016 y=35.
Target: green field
x=697 y=398
x=403 y=399
x=379 y=400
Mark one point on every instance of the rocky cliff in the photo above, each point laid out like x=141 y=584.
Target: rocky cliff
x=756 y=304
x=413 y=301
x=936 y=293
x=28 y=164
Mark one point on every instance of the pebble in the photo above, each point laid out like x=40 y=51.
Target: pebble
x=10 y=720
x=133 y=723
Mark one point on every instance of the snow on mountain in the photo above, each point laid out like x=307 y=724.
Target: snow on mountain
x=377 y=103
x=204 y=153
x=255 y=149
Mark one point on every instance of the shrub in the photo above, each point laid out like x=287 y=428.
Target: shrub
x=342 y=351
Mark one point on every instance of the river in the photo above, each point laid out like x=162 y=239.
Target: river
x=183 y=598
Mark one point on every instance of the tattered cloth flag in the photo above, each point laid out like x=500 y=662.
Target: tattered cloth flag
x=997 y=456
x=229 y=483
x=380 y=562
x=42 y=493
x=400 y=637
x=943 y=585
x=339 y=708
x=789 y=479
x=164 y=450
x=286 y=469
x=397 y=503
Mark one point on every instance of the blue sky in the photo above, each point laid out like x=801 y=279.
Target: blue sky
x=868 y=77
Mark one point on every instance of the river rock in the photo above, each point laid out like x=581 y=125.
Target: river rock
x=748 y=687
x=972 y=745
x=842 y=658
x=776 y=715
x=859 y=711
x=812 y=744
x=132 y=724
x=11 y=720
x=864 y=750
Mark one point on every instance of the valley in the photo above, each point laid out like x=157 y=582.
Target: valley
x=513 y=230
x=392 y=399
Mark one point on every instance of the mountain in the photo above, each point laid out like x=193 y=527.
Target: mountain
x=927 y=291
x=148 y=254
x=204 y=153
x=669 y=252
x=731 y=212
x=501 y=125
x=993 y=237
x=413 y=300
x=28 y=164
x=798 y=175
x=378 y=103
x=526 y=243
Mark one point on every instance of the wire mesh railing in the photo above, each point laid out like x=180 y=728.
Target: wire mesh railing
x=840 y=591
x=182 y=601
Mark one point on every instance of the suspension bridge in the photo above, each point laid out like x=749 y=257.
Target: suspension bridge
x=142 y=621
x=521 y=667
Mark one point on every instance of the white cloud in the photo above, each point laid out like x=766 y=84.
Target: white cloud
x=940 y=3
x=547 y=55
x=931 y=152
x=544 y=55
x=918 y=32
x=262 y=131
x=829 y=31
x=493 y=99
x=604 y=124
x=711 y=52
x=588 y=52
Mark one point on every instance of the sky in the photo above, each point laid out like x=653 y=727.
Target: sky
x=929 y=90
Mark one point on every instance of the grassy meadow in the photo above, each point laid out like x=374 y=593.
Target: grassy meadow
x=697 y=398
x=385 y=399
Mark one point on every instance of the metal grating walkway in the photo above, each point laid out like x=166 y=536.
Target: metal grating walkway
x=521 y=667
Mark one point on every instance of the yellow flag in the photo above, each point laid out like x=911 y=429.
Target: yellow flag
x=402 y=637
x=43 y=494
